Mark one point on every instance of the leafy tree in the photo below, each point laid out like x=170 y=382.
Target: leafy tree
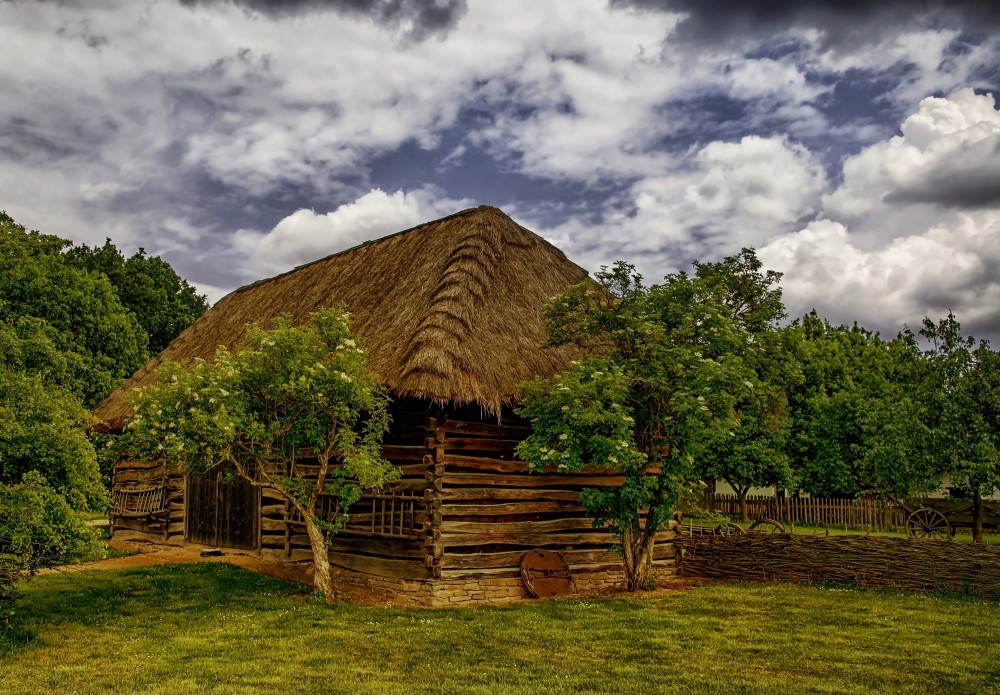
x=42 y=429
x=753 y=296
x=857 y=413
x=41 y=423
x=963 y=414
x=163 y=303
x=37 y=529
x=661 y=382
x=100 y=340
x=752 y=453
x=290 y=394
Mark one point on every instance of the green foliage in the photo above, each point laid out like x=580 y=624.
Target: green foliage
x=290 y=393
x=41 y=294
x=37 y=529
x=753 y=452
x=962 y=391
x=664 y=380
x=857 y=412
x=163 y=303
x=42 y=429
x=753 y=297
x=584 y=417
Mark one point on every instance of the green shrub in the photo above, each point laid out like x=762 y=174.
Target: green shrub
x=38 y=529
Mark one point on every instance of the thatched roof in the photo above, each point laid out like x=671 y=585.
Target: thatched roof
x=450 y=311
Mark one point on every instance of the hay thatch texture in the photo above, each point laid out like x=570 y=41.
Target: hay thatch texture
x=450 y=311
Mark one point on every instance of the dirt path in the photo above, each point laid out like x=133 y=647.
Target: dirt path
x=148 y=555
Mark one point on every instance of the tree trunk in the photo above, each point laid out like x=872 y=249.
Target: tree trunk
x=744 y=517
x=978 y=517
x=321 y=559
x=637 y=553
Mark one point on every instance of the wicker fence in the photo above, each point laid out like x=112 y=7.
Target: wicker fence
x=863 y=513
x=864 y=560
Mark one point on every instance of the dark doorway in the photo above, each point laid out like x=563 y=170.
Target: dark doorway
x=223 y=513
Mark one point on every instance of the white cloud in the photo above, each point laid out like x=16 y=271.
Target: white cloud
x=946 y=157
x=908 y=233
x=306 y=235
x=729 y=195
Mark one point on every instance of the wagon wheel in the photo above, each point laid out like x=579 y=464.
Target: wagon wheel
x=927 y=523
x=767 y=526
x=729 y=529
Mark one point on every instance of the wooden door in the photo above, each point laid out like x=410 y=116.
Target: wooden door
x=223 y=513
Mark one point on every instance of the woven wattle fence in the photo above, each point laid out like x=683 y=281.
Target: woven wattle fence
x=865 y=560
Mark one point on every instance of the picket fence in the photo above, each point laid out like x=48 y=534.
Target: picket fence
x=861 y=513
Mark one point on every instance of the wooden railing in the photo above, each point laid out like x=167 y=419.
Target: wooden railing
x=861 y=513
x=385 y=515
x=393 y=515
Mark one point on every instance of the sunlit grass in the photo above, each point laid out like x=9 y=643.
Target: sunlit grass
x=215 y=628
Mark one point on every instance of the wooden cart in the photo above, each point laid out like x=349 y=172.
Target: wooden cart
x=940 y=517
x=692 y=528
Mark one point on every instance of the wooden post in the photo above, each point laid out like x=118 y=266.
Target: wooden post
x=434 y=467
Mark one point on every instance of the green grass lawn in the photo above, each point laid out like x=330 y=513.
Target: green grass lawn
x=217 y=629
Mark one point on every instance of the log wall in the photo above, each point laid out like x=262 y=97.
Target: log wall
x=453 y=528
x=489 y=509
x=169 y=530
x=385 y=533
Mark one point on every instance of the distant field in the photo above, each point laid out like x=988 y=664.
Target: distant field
x=218 y=629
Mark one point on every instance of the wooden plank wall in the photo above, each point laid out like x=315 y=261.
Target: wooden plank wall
x=367 y=543
x=478 y=510
x=489 y=510
x=130 y=475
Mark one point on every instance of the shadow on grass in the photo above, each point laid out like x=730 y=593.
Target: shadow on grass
x=97 y=598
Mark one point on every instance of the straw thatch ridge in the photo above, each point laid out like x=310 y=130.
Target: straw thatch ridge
x=450 y=310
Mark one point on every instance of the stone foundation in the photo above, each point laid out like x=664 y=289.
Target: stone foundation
x=465 y=591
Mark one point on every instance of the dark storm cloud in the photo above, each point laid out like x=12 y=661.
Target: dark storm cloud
x=843 y=21
x=426 y=17
x=970 y=187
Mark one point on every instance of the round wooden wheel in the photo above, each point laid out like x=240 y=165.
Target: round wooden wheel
x=729 y=529
x=767 y=526
x=927 y=523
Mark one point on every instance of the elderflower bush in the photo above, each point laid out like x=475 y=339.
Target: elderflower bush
x=288 y=392
x=579 y=419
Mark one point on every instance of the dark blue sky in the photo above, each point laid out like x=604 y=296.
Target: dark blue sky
x=853 y=143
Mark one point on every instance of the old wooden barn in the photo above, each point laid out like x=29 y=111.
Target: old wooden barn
x=450 y=312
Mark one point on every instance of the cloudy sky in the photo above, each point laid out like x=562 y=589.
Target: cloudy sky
x=855 y=144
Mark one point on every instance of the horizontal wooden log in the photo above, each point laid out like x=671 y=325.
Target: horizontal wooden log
x=486 y=529
x=135 y=464
x=477 y=444
x=513 y=559
x=485 y=463
x=270 y=524
x=512 y=432
x=383 y=567
x=528 y=540
x=404 y=453
x=495 y=493
x=504 y=508
x=557 y=481
x=345 y=543
x=480 y=573
x=129 y=479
